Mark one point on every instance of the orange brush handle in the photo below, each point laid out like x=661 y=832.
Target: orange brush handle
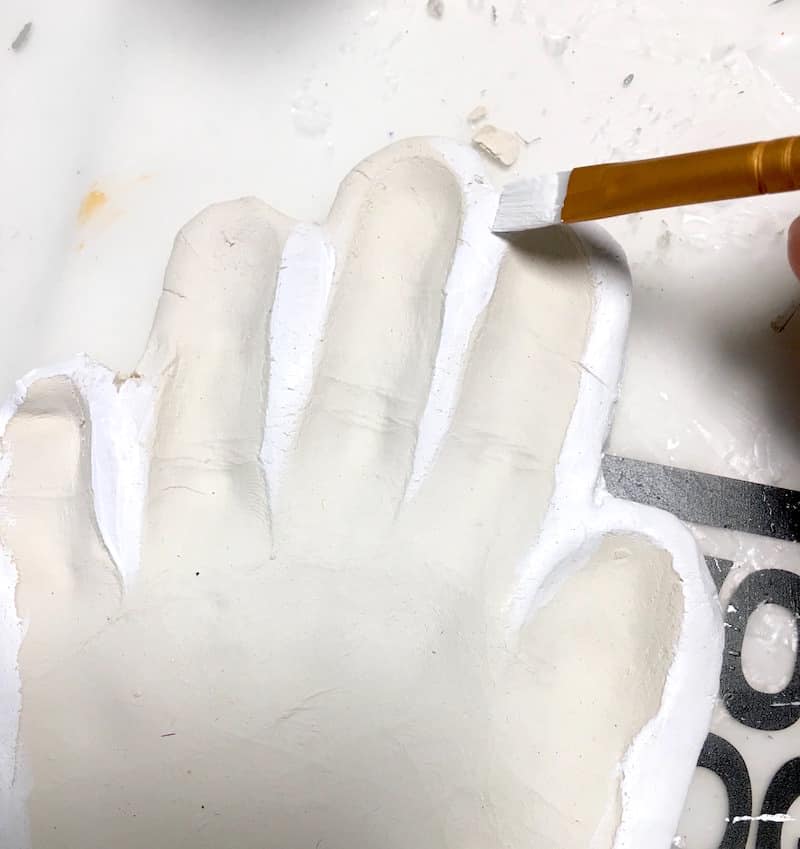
x=601 y=191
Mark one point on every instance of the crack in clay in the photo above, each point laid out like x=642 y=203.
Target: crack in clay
x=303 y=706
x=187 y=488
x=588 y=371
x=496 y=447
x=189 y=245
x=173 y=292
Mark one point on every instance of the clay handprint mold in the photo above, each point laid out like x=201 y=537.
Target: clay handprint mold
x=335 y=566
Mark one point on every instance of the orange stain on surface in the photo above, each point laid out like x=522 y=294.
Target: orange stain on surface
x=94 y=200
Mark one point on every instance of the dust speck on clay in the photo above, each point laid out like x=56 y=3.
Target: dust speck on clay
x=501 y=145
x=627 y=81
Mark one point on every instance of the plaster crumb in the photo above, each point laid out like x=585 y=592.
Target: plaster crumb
x=627 y=81
x=123 y=377
x=477 y=114
x=22 y=37
x=435 y=8
x=499 y=144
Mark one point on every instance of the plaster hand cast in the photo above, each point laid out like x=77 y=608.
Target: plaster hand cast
x=332 y=567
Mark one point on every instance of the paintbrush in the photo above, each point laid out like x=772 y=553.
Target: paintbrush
x=602 y=191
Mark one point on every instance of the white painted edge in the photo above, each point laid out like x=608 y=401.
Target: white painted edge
x=121 y=416
x=297 y=323
x=658 y=766
x=469 y=287
x=121 y=419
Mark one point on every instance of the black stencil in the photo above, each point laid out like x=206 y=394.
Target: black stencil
x=719 y=568
x=724 y=760
x=781 y=793
x=703 y=499
x=754 y=708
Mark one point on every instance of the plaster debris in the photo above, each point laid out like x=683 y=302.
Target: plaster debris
x=477 y=114
x=499 y=144
x=435 y=8
x=22 y=37
x=627 y=81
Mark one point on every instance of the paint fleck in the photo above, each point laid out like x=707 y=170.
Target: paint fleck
x=761 y=818
x=435 y=8
x=627 y=81
x=94 y=200
x=477 y=114
x=22 y=37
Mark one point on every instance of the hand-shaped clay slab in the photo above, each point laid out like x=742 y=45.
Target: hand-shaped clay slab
x=332 y=568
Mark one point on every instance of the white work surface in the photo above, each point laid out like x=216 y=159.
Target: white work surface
x=160 y=108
